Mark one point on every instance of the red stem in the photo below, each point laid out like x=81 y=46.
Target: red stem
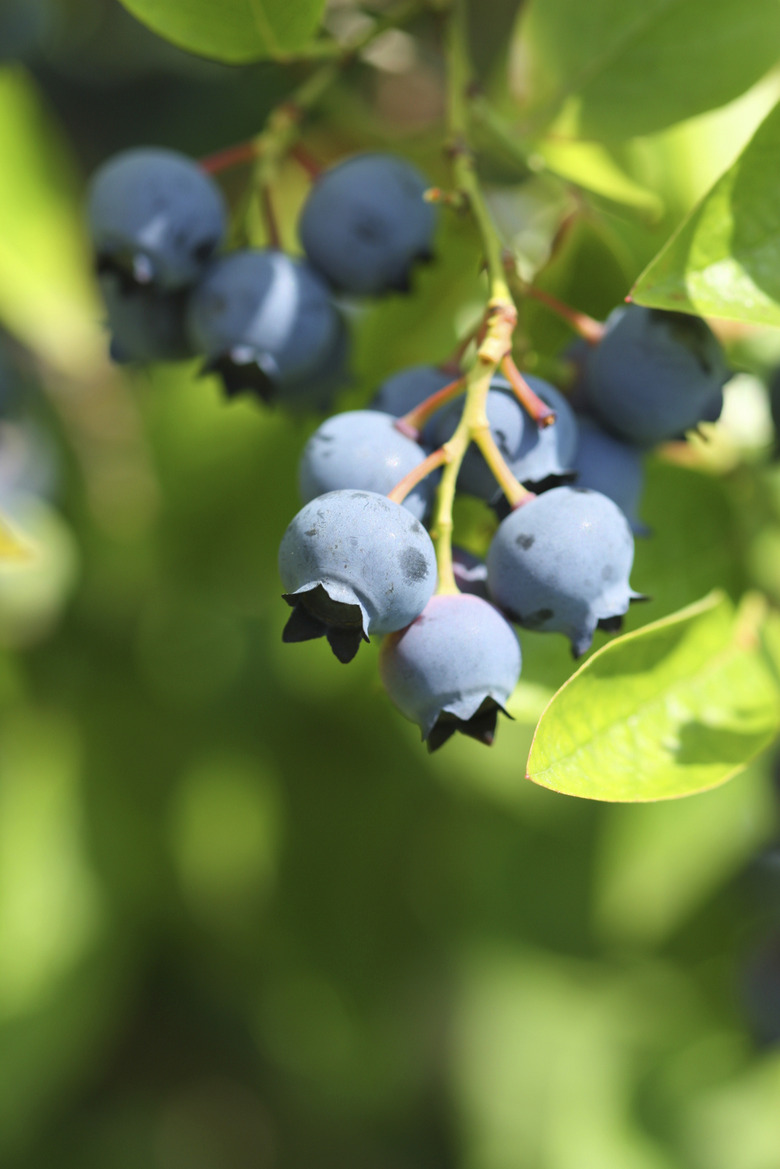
x=539 y=410
x=306 y=160
x=244 y=152
x=412 y=423
x=416 y=475
x=269 y=215
x=587 y=327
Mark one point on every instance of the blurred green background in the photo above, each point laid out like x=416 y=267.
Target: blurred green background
x=245 y=920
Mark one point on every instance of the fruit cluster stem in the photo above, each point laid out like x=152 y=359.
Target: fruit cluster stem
x=501 y=316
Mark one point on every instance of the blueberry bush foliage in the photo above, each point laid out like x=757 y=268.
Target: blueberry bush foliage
x=519 y=158
x=369 y=372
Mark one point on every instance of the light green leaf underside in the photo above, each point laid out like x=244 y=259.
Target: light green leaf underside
x=672 y=709
x=724 y=261
x=622 y=68
x=232 y=30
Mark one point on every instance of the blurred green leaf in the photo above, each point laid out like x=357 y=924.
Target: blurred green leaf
x=47 y=295
x=669 y=857
x=620 y=68
x=233 y=30
x=677 y=707
x=724 y=261
x=593 y=168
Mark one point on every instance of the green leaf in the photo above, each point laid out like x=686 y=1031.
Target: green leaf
x=47 y=292
x=593 y=168
x=676 y=707
x=620 y=68
x=232 y=30
x=724 y=260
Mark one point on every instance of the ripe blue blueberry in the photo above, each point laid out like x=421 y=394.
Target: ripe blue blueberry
x=654 y=375
x=534 y=454
x=365 y=224
x=155 y=218
x=615 y=468
x=145 y=325
x=354 y=563
x=317 y=389
x=561 y=562
x=264 y=321
x=362 y=449
x=452 y=669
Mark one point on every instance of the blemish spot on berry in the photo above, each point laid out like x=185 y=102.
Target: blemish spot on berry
x=311 y=532
x=414 y=566
x=524 y=541
x=607 y=573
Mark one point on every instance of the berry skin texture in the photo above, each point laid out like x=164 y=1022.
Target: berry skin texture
x=452 y=669
x=265 y=322
x=365 y=224
x=604 y=463
x=654 y=375
x=561 y=563
x=155 y=218
x=354 y=563
x=362 y=449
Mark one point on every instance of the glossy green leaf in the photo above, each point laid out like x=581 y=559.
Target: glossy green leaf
x=672 y=709
x=232 y=30
x=724 y=260
x=620 y=68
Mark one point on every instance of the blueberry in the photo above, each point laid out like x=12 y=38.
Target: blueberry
x=317 y=390
x=354 y=563
x=265 y=322
x=365 y=223
x=155 y=218
x=654 y=375
x=452 y=669
x=362 y=449
x=615 y=468
x=534 y=455
x=145 y=324
x=561 y=563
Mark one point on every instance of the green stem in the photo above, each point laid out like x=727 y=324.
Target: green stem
x=500 y=318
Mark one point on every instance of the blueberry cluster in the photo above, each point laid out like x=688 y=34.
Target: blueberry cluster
x=264 y=321
x=358 y=560
x=353 y=563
